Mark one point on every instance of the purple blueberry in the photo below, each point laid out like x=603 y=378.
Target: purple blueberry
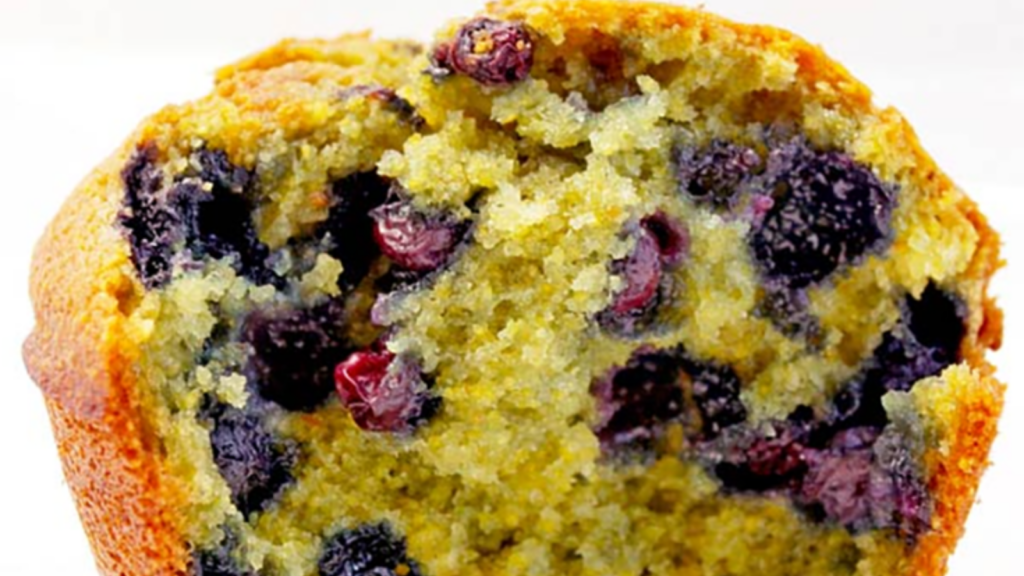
x=716 y=391
x=150 y=226
x=828 y=211
x=413 y=240
x=368 y=550
x=255 y=465
x=672 y=236
x=641 y=272
x=383 y=392
x=492 y=52
x=749 y=460
x=350 y=226
x=715 y=174
x=635 y=402
x=294 y=353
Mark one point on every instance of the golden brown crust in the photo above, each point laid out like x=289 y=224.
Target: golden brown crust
x=80 y=357
x=83 y=288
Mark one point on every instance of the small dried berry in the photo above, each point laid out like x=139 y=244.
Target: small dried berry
x=492 y=52
x=637 y=401
x=350 y=226
x=672 y=237
x=715 y=174
x=369 y=550
x=382 y=392
x=255 y=465
x=411 y=239
x=294 y=353
x=716 y=390
x=828 y=211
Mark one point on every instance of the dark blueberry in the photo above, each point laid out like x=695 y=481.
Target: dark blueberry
x=255 y=465
x=369 y=550
x=926 y=342
x=412 y=239
x=218 y=561
x=637 y=401
x=294 y=353
x=788 y=311
x=492 y=52
x=828 y=211
x=716 y=391
x=214 y=167
x=865 y=481
x=383 y=392
x=754 y=461
x=672 y=237
x=350 y=225
x=151 y=227
x=716 y=173
x=641 y=272
x=217 y=213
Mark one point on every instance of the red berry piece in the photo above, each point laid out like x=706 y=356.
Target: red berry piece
x=382 y=392
x=411 y=239
x=671 y=235
x=642 y=274
x=492 y=52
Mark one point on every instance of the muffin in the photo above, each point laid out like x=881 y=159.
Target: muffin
x=580 y=287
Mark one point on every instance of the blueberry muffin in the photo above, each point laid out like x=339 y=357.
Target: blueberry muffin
x=580 y=287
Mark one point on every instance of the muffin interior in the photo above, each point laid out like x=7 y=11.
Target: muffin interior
x=544 y=297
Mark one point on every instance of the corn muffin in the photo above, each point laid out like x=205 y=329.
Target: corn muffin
x=580 y=287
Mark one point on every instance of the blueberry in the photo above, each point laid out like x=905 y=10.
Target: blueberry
x=715 y=174
x=637 y=401
x=214 y=201
x=255 y=465
x=672 y=237
x=382 y=392
x=350 y=225
x=716 y=391
x=828 y=211
x=400 y=106
x=414 y=240
x=368 y=550
x=294 y=353
x=748 y=460
x=207 y=209
x=150 y=226
x=641 y=272
x=492 y=52
x=925 y=342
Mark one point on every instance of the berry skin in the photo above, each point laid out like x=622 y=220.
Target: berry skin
x=637 y=401
x=413 y=240
x=369 y=550
x=382 y=392
x=828 y=212
x=150 y=226
x=255 y=465
x=218 y=561
x=641 y=271
x=716 y=173
x=716 y=390
x=672 y=237
x=492 y=52
x=294 y=353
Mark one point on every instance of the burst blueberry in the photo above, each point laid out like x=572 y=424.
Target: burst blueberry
x=368 y=550
x=350 y=226
x=256 y=465
x=150 y=226
x=637 y=401
x=716 y=391
x=412 y=239
x=383 y=392
x=715 y=174
x=828 y=212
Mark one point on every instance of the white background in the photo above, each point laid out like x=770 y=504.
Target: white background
x=76 y=76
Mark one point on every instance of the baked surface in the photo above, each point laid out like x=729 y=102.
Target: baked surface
x=576 y=237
